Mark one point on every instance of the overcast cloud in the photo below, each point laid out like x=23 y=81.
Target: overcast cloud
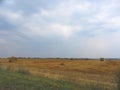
x=60 y=28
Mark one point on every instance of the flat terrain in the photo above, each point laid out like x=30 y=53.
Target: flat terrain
x=80 y=71
x=10 y=80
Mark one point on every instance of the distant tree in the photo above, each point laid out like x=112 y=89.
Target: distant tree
x=20 y=57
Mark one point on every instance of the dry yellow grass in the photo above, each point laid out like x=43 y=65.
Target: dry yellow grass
x=80 y=71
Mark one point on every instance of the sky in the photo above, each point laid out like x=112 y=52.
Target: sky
x=60 y=28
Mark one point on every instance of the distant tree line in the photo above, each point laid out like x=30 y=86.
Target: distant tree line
x=59 y=58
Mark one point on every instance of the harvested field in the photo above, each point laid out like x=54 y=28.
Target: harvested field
x=80 y=71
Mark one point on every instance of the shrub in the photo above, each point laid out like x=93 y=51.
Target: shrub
x=57 y=58
x=12 y=59
x=71 y=58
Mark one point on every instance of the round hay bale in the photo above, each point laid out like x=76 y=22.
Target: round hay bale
x=102 y=59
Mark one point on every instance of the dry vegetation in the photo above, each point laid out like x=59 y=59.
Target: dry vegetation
x=101 y=72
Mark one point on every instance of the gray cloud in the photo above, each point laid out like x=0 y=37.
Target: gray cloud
x=60 y=28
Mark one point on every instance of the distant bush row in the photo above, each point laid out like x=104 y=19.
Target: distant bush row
x=13 y=57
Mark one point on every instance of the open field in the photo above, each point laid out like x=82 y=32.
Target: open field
x=83 y=72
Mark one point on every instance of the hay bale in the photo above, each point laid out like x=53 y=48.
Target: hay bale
x=102 y=59
x=62 y=64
